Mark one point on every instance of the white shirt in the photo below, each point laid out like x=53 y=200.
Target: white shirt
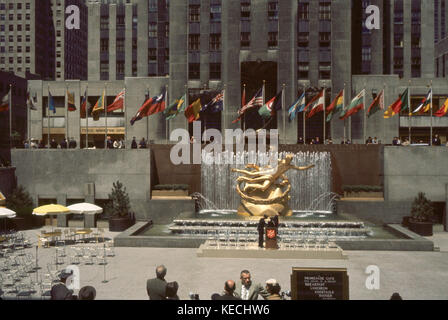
x=244 y=293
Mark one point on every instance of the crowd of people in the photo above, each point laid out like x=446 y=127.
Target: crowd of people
x=245 y=289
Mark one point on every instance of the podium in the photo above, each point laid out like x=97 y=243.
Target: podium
x=271 y=238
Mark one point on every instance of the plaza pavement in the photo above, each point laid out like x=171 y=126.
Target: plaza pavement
x=415 y=275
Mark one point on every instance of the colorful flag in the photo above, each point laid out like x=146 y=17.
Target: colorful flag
x=297 y=107
x=270 y=107
x=377 y=104
x=85 y=106
x=442 y=111
x=243 y=103
x=99 y=107
x=425 y=105
x=4 y=104
x=256 y=101
x=157 y=105
x=31 y=101
x=356 y=105
x=71 y=101
x=192 y=112
x=316 y=104
x=175 y=108
x=118 y=102
x=51 y=105
x=143 y=110
x=397 y=106
x=216 y=104
x=336 y=106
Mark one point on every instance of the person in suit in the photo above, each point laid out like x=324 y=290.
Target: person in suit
x=171 y=290
x=247 y=290
x=87 y=293
x=273 y=288
x=60 y=291
x=133 y=143
x=436 y=140
x=229 y=289
x=156 y=288
x=260 y=229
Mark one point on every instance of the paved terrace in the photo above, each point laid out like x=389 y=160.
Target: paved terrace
x=415 y=275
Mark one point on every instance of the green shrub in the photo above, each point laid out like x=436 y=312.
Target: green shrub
x=20 y=201
x=422 y=209
x=119 y=204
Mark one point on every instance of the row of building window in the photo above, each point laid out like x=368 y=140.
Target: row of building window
x=11 y=6
x=194 y=71
x=11 y=16
x=19 y=27
x=11 y=60
x=11 y=49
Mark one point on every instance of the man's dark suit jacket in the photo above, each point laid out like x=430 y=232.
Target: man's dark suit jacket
x=227 y=297
x=156 y=289
x=60 y=292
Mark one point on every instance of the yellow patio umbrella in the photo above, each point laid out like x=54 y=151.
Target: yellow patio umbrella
x=51 y=210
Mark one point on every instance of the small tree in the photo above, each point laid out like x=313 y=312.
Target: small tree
x=20 y=201
x=119 y=201
x=422 y=209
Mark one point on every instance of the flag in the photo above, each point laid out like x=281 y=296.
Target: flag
x=397 y=106
x=442 y=111
x=270 y=107
x=31 y=101
x=425 y=105
x=296 y=107
x=118 y=102
x=216 y=104
x=256 y=101
x=99 y=107
x=356 y=105
x=243 y=103
x=316 y=104
x=71 y=101
x=4 y=104
x=175 y=108
x=143 y=110
x=157 y=105
x=336 y=106
x=192 y=112
x=51 y=105
x=85 y=106
x=377 y=104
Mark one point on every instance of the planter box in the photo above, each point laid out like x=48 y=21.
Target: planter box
x=405 y=221
x=421 y=228
x=119 y=224
x=170 y=193
x=363 y=194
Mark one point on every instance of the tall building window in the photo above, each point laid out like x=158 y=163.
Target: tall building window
x=104 y=45
x=104 y=22
x=152 y=54
x=303 y=39
x=215 y=71
x=324 y=39
x=120 y=21
x=245 y=10
x=193 y=42
x=194 y=71
x=325 y=11
x=273 y=39
x=443 y=19
x=194 y=13
x=215 y=42
x=245 y=39
x=120 y=45
x=120 y=67
x=273 y=10
x=215 y=12
x=152 y=30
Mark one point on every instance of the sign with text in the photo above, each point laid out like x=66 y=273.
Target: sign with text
x=319 y=284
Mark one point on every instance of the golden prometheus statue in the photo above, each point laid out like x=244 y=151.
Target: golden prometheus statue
x=266 y=190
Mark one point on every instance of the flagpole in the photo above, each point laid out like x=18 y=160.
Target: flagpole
x=167 y=129
x=303 y=115
x=224 y=109
x=284 y=114
x=365 y=113
x=343 y=108
x=87 y=117
x=244 y=114
x=430 y=134
x=28 y=123
x=105 y=111
x=384 y=106
x=10 y=116
x=66 y=112
x=125 y=118
x=324 y=123
x=409 y=110
x=147 y=118
x=48 y=116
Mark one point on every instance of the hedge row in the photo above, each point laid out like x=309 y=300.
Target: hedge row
x=362 y=188
x=171 y=187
